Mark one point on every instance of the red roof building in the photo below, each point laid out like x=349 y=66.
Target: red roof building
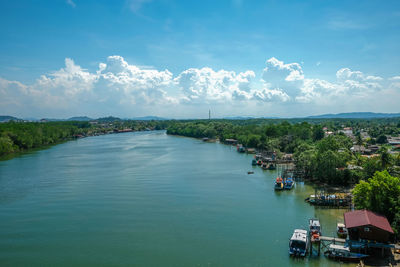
x=364 y=224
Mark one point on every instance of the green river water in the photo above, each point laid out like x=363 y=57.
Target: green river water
x=149 y=199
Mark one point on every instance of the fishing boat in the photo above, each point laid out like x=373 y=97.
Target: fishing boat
x=279 y=184
x=254 y=162
x=272 y=167
x=264 y=166
x=342 y=253
x=259 y=162
x=289 y=183
x=315 y=229
x=299 y=243
x=341 y=230
x=240 y=148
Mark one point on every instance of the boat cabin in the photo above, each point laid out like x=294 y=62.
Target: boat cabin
x=298 y=244
x=315 y=226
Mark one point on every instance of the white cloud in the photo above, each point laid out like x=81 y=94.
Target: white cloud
x=119 y=86
x=205 y=84
x=71 y=3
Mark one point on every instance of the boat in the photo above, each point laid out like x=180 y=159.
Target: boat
x=272 y=167
x=315 y=229
x=250 y=172
x=259 y=162
x=342 y=253
x=240 y=148
x=264 y=166
x=289 y=183
x=254 y=162
x=299 y=243
x=278 y=184
x=341 y=230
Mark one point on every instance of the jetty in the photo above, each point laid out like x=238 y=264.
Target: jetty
x=321 y=197
x=324 y=242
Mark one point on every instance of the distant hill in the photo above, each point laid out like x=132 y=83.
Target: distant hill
x=81 y=118
x=356 y=115
x=238 y=118
x=149 y=118
x=8 y=118
x=109 y=119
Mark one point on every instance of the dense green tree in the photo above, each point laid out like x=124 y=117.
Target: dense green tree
x=382 y=139
x=381 y=194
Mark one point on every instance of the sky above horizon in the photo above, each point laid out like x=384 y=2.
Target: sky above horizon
x=178 y=59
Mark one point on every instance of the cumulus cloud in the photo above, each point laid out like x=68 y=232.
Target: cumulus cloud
x=205 y=84
x=118 y=85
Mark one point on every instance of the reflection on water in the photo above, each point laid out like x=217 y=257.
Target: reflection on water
x=149 y=199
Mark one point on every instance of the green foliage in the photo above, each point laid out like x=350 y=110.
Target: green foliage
x=21 y=136
x=380 y=194
x=382 y=139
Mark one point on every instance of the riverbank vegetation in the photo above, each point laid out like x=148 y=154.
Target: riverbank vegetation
x=17 y=137
x=360 y=153
x=381 y=194
x=322 y=149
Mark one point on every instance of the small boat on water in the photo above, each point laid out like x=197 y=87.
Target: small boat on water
x=271 y=167
x=342 y=253
x=341 y=230
x=299 y=243
x=240 y=148
x=279 y=184
x=250 y=172
x=264 y=166
x=289 y=183
x=254 y=162
x=315 y=229
x=259 y=162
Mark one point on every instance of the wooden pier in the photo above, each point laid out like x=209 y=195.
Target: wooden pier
x=324 y=242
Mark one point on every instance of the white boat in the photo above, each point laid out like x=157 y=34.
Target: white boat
x=315 y=229
x=339 y=252
x=341 y=230
x=299 y=243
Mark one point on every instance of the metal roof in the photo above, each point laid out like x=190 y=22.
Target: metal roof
x=359 y=218
x=300 y=235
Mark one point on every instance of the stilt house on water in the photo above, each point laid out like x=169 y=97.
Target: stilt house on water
x=367 y=225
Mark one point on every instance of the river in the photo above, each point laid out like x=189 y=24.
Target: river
x=149 y=199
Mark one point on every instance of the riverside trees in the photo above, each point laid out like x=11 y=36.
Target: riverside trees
x=381 y=194
x=322 y=159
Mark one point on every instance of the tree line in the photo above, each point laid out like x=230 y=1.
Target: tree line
x=323 y=159
x=22 y=136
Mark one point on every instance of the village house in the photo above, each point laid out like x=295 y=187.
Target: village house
x=367 y=225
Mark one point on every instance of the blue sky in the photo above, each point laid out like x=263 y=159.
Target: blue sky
x=180 y=58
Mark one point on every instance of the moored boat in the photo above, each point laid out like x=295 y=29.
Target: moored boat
x=289 y=183
x=279 y=184
x=254 y=162
x=342 y=253
x=264 y=166
x=341 y=230
x=299 y=243
x=271 y=167
x=315 y=229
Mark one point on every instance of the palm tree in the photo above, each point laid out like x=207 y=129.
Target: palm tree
x=384 y=157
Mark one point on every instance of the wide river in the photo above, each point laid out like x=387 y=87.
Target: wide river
x=149 y=199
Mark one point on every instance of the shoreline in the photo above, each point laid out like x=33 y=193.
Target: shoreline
x=44 y=147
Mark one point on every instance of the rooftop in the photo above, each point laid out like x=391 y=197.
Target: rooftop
x=365 y=217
